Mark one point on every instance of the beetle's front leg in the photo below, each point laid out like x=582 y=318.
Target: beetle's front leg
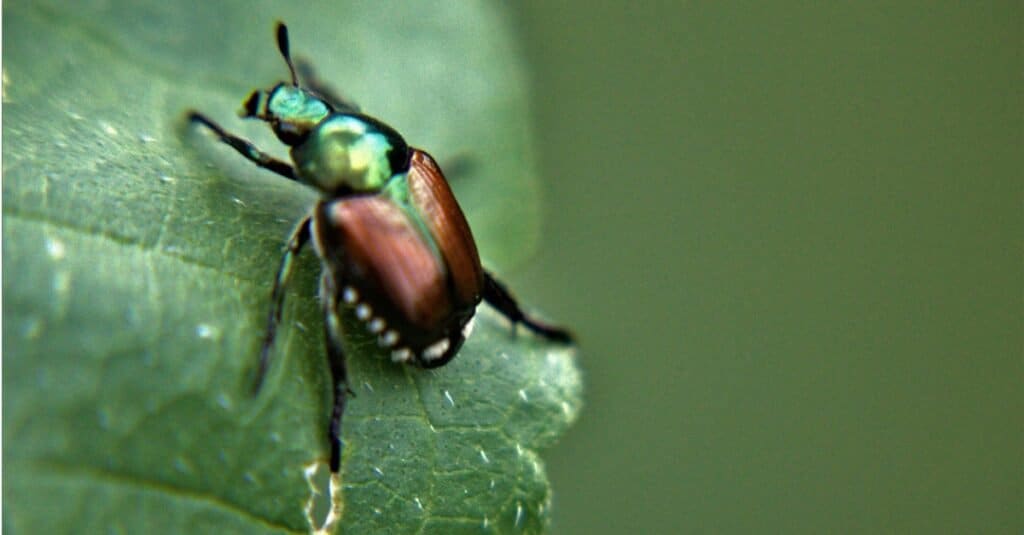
x=498 y=296
x=245 y=147
x=297 y=240
x=336 y=360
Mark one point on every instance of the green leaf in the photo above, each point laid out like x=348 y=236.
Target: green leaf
x=139 y=254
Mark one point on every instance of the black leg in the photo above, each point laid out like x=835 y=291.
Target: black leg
x=318 y=86
x=298 y=239
x=498 y=296
x=336 y=360
x=245 y=147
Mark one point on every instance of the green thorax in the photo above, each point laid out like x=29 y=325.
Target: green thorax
x=345 y=153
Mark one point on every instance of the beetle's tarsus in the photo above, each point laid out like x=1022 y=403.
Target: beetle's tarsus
x=498 y=296
x=336 y=361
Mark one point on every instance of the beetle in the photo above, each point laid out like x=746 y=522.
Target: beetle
x=393 y=242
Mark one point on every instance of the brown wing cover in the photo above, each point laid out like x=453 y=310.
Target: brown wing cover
x=394 y=270
x=430 y=194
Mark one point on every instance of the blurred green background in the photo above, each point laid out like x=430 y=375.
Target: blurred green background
x=790 y=237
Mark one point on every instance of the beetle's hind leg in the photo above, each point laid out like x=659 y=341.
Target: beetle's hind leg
x=245 y=147
x=299 y=238
x=498 y=296
x=336 y=360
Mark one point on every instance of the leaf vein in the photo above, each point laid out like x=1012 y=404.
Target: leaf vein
x=86 y=472
x=121 y=240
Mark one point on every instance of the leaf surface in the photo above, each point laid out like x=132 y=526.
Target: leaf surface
x=138 y=259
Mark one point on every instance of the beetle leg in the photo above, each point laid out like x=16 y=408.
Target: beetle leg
x=298 y=239
x=321 y=88
x=245 y=147
x=336 y=360
x=498 y=296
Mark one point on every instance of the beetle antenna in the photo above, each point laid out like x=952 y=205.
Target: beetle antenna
x=282 y=45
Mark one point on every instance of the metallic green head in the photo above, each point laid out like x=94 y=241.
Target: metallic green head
x=335 y=152
x=292 y=111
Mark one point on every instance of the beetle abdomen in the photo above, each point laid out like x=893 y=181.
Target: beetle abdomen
x=392 y=269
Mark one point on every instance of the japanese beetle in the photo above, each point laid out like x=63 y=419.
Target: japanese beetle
x=392 y=240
